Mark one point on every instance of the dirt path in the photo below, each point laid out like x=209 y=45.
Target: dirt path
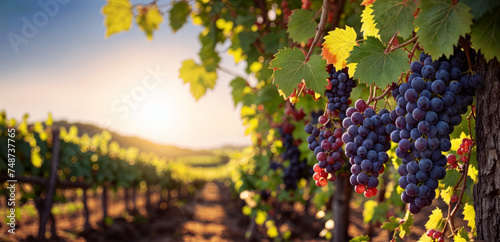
x=210 y=221
x=214 y=217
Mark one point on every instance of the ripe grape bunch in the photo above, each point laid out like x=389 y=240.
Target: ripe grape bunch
x=429 y=106
x=338 y=91
x=297 y=168
x=367 y=142
x=325 y=140
x=462 y=151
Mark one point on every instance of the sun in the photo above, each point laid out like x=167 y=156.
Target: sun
x=155 y=113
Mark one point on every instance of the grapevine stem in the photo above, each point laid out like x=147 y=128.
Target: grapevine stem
x=412 y=54
x=228 y=71
x=371 y=99
x=319 y=29
x=390 y=43
x=451 y=214
x=403 y=44
x=466 y=45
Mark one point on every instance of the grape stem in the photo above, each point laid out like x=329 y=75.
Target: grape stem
x=319 y=29
x=376 y=98
x=412 y=53
x=466 y=45
x=390 y=43
x=228 y=71
x=403 y=44
x=449 y=218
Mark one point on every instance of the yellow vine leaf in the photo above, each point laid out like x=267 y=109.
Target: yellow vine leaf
x=149 y=20
x=118 y=16
x=368 y=24
x=470 y=215
x=338 y=45
x=434 y=219
x=198 y=77
x=351 y=68
x=455 y=143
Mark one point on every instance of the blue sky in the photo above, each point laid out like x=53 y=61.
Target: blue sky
x=64 y=65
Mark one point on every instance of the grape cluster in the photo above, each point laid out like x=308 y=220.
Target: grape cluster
x=435 y=234
x=338 y=91
x=429 y=105
x=326 y=142
x=462 y=151
x=367 y=143
x=297 y=168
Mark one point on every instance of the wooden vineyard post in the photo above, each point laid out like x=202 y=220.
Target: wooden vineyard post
x=148 y=199
x=134 y=200
x=127 y=198
x=51 y=186
x=104 y=204
x=86 y=210
x=340 y=208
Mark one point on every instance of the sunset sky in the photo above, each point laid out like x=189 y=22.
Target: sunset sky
x=64 y=65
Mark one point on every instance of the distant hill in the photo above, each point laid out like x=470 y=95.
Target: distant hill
x=143 y=145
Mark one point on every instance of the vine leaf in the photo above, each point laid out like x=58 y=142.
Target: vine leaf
x=392 y=16
x=301 y=25
x=178 y=15
x=198 y=77
x=238 y=84
x=338 y=45
x=479 y=7
x=391 y=225
x=461 y=236
x=452 y=176
x=290 y=68
x=425 y=238
x=470 y=215
x=485 y=35
x=369 y=210
x=405 y=227
x=209 y=57
x=376 y=66
x=361 y=238
x=368 y=24
x=473 y=172
x=149 y=19
x=455 y=143
x=440 y=24
x=117 y=16
x=435 y=219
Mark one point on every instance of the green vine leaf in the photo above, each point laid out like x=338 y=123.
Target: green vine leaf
x=178 y=15
x=393 y=16
x=301 y=25
x=238 y=84
x=198 y=77
x=440 y=24
x=391 y=225
x=485 y=35
x=361 y=238
x=208 y=55
x=291 y=68
x=117 y=16
x=375 y=66
x=405 y=227
x=479 y=7
x=461 y=236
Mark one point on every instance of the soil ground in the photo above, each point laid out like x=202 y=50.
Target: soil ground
x=211 y=215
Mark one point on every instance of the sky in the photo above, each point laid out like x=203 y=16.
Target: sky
x=54 y=57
